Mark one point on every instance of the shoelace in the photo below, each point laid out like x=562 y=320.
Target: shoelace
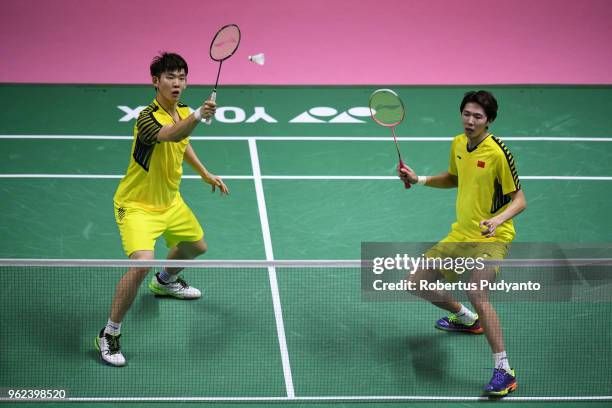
x=453 y=319
x=113 y=343
x=182 y=282
x=498 y=376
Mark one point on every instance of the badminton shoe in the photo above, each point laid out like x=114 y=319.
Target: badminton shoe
x=452 y=323
x=502 y=383
x=110 y=349
x=179 y=289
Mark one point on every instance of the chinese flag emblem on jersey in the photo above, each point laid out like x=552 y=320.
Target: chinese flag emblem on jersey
x=481 y=164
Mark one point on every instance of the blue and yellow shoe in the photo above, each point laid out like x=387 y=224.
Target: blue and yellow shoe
x=452 y=323
x=502 y=383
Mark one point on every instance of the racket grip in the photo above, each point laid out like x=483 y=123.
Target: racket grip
x=213 y=97
x=401 y=165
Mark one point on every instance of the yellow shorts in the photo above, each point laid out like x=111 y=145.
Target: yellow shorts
x=140 y=228
x=456 y=245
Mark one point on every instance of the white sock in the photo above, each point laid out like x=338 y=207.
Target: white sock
x=466 y=316
x=112 y=328
x=165 y=277
x=501 y=361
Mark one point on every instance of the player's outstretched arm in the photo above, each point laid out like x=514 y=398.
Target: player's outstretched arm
x=215 y=181
x=443 y=180
x=183 y=128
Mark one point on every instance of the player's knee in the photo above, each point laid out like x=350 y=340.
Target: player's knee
x=416 y=275
x=190 y=250
x=419 y=279
x=478 y=297
x=200 y=248
x=140 y=271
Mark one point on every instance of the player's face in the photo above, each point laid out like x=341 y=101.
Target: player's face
x=474 y=119
x=170 y=85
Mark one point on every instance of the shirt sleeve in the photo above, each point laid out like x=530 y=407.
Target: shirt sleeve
x=506 y=170
x=148 y=127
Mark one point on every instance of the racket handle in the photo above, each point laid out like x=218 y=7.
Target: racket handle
x=401 y=165
x=213 y=97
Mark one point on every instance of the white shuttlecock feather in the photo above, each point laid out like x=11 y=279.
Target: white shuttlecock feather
x=259 y=59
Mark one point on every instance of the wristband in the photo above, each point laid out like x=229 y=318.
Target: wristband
x=197 y=115
x=422 y=180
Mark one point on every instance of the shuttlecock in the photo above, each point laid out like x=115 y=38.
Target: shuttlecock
x=259 y=59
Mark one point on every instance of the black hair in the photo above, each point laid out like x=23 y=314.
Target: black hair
x=483 y=98
x=167 y=62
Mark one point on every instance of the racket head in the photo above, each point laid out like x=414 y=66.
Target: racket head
x=225 y=42
x=386 y=108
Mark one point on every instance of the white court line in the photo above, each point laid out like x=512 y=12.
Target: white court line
x=368 y=398
x=104 y=176
x=585 y=178
x=265 y=230
x=588 y=178
x=317 y=138
x=196 y=177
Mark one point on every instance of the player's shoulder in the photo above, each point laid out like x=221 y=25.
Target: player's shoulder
x=459 y=140
x=501 y=152
x=148 y=110
x=499 y=146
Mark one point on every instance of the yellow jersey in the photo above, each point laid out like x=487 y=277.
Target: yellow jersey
x=486 y=176
x=154 y=174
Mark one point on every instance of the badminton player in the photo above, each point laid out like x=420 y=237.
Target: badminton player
x=489 y=196
x=148 y=203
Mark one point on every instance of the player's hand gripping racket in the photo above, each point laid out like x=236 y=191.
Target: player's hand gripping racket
x=387 y=109
x=224 y=45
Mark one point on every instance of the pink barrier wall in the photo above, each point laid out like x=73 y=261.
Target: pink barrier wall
x=312 y=42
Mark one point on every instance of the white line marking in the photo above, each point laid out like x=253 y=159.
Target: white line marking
x=67 y=137
x=330 y=177
x=593 y=178
x=556 y=139
x=61 y=176
x=323 y=398
x=104 y=176
x=265 y=229
x=318 y=138
x=277 y=263
x=196 y=177
x=589 y=178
